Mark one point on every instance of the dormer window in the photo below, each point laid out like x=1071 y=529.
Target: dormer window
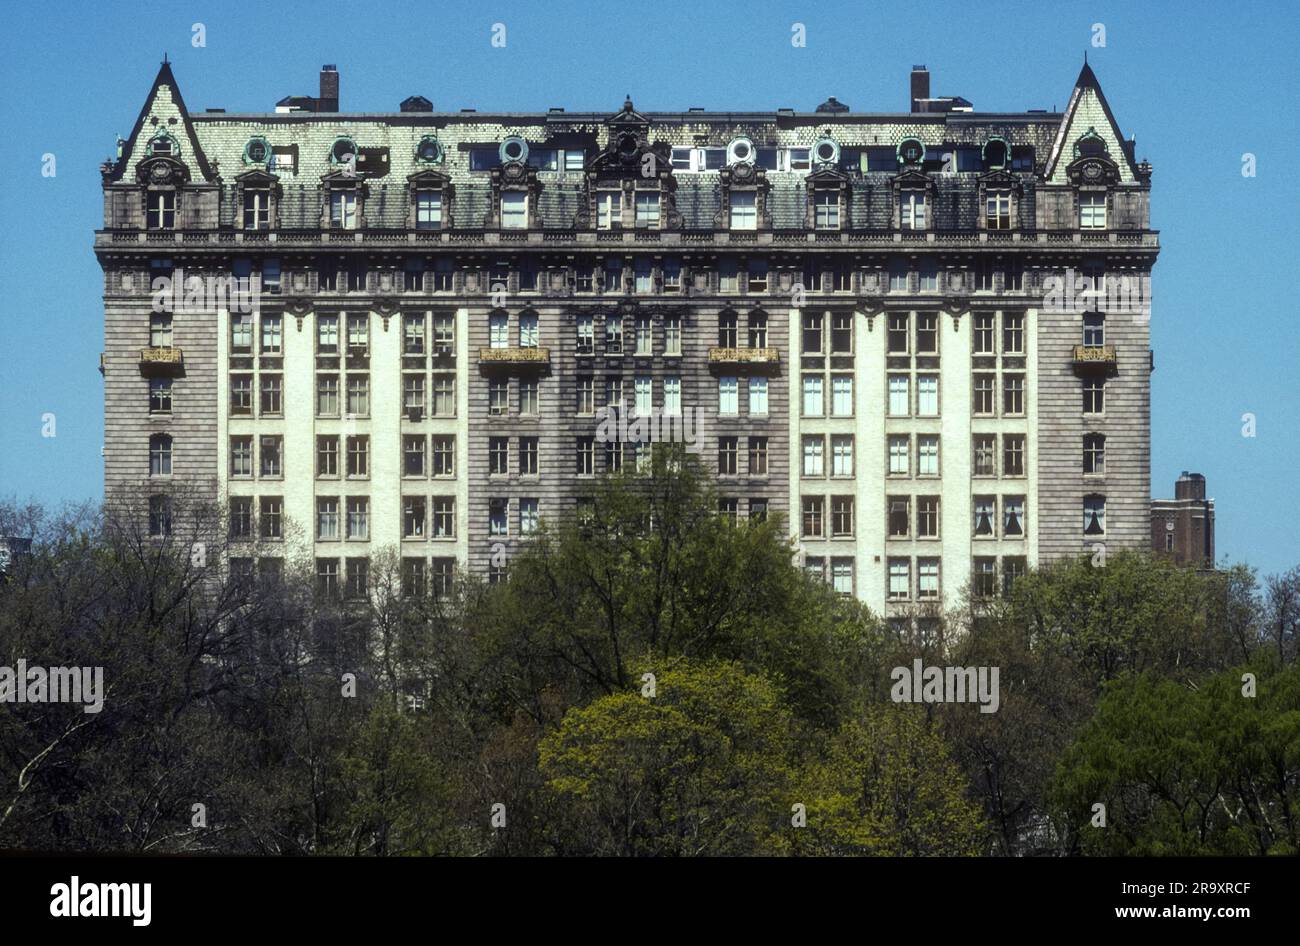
x=160 y=210
x=827 y=208
x=609 y=209
x=428 y=210
x=257 y=209
x=911 y=208
x=647 y=210
x=163 y=145
x=997 y=210
x=743 y=211
x=514 y=210
x=343 y=209
x=1092 y=211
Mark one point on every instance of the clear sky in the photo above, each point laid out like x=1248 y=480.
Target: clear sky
x=1198 y=84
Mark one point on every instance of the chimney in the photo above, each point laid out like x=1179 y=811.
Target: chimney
x=329 y=89
x=1190 y=486
x=920 y=86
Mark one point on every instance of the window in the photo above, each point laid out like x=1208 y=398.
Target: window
x=528 y=397
x=842 y=575
x=899 y=396
x=586 y=395
x=912 y=210
x=841 y=455
x=160 y=213
x=815 y=567
x=985 y=448
x=841 y=395
x=799 y=159
x=428 y=210
x=842 y=333
x=498 y=397
x=358 y=394
x=997 y=210
x=241 y=333
x=413 y=516
x=613 y=335
x=498 y=455
x=727 y=330
x=271 y=335
x=927 y=517
x=927 y=333
x=1094 y=329
x=673 y=397
x=613 y=276
x=528 y=453
x=444 y=517
x=1094 y=395
x=927 y=395
x=327 y=395
x=586 y=343
x=1092 y=211
x=528 y=516
x=1094 y=453
x=514 y=210
x=812 y=395
x=744 y=215
x=271 y=394
x=757 y=396
x=757 y=282
x=900 y=448
x=241 y=456
x=898 y=333
x=327 y=456
x=160 y=331
x=358 y=577
x=1094 y=515
x=1013 y=394
x=160 y=396
x=498 y=516
x=927 y=578
x=343 y=210
x=672 y=335
x=327 y=334
x=984 y=577
x=609 y=209
x=814 y=449
x=758 y=510
x=985 y=510
x=1013 y=568
x=643 y=396
x=927 y=455
x=900 y=579
x=647 y=210
x=728 y=396
x=826 y=210
x=359 y=456
x=160 y=516
x=257 y=210
x=644 y=335
x=413 y=455
x=982 y=402
x=1013 y=517
x=982 y=336
x=271 y=517
x=444 y=395
x=586 y=456
x=272 y=456
x=358 y=517
x=898 y=274
x=1013 y=454
x=327 y=518
x=813 y=512
x=413 y=583
x=160 y=455
x=1013 y=333
x=841 y=516
x=900 y=518
x=614 y=392
x=444 y=454
x=758 y=456
x=727 y=448
x=929 y=277
x=812 y=333
x=413 y=395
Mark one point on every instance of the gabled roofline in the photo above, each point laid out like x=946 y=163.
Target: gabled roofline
x=164 y=77
x=1087 y=80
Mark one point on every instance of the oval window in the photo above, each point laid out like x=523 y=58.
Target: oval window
x=514 y=149
x=257 y=151
x=911 y=151
x=429 y=150
x=826 y=151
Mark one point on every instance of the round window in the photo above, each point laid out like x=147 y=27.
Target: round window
x=826 y=151
x=257 y=151
x=514 y=149
x=911 y=151
x=344 y=151
x=429 y=150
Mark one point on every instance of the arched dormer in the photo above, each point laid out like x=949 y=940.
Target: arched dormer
x=630 y=183
x=258 y=195
x=429 y=200
x=913 y=200
x=1093 y=172
x=745 y=190
x=343 y=199
x=828 y=199
x=1000 y=194
x=515 y=190
x=162 y=179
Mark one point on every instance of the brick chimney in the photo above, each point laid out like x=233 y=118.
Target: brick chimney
x=920 y=86
x=329 y=89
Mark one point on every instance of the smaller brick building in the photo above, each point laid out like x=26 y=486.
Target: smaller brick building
x=1183 y=527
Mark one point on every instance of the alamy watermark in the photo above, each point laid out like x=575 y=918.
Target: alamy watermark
x=24 y=684
x=1074 y=293
x=655 y=426
x=921 y=684
x=196 y=294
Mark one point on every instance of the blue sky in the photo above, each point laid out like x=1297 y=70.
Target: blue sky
x=1199 y=84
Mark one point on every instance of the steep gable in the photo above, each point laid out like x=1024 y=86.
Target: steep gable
x=1088 y=115
x=164 y=110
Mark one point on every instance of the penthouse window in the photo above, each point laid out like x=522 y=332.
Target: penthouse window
x=826 y=205
x=160 y=210
x=647 y=210
x=744 y=211
x=514 y=210
x=912 y=210
x=428 y=210
x=343 y=209
x=257 y=209
x=609 y=209
x=997 y=210
x=1092 y=211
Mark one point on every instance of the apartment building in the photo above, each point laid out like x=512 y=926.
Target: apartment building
x=922 y=336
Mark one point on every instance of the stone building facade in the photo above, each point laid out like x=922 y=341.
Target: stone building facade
x=1183 y=527
x=921 y=337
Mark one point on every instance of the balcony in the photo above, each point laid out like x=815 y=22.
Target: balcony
x=514 y=357
x=161 y=360
x=1094 y=358
x=744 y=356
